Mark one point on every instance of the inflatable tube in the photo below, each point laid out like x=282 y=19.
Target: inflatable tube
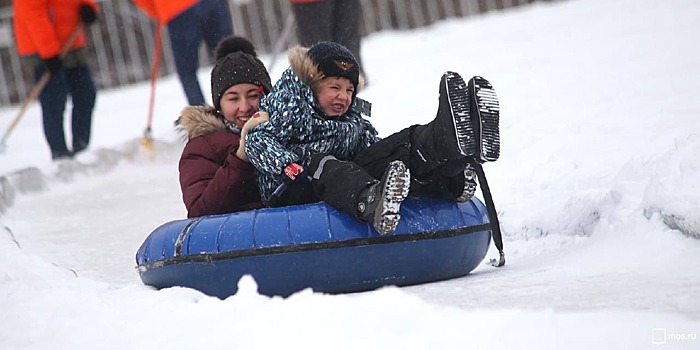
x=315 y=246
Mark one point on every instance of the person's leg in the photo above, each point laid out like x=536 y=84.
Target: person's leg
x=185 y=38
x=377 y=157
x=215 y=21
x=464 y=132
x=83 y=93
x=53 y=104
x=444 y=183
x=457 y=131
x=313 y=21
x=297 y=193
x=346 y=26
x=403 y=146
x=434 y=152
x=351 y=189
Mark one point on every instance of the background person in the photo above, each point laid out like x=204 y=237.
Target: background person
x=329 y=20
x=189 y=23
x=42 y=28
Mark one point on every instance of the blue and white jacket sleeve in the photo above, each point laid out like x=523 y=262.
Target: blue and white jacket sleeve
x=265 y=143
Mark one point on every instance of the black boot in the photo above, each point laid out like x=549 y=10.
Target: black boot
x=454 y=129
x=379 y=204
x=351 y=189
x=338 y=183
x=451 y=135
x=484 y=111
x=469 y=186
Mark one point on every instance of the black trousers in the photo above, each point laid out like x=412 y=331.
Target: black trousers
x=77 y=83
x=339 y=183
x=336 y=182
x=330 y=20
x=430 y=175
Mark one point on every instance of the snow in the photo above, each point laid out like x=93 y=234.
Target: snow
x=595 y=188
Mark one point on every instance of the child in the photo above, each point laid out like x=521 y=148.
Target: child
x=215 y=175
x=317 y=143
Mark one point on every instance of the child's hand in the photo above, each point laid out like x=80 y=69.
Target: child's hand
x=257 y=119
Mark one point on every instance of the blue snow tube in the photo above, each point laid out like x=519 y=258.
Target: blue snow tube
x=315 y=246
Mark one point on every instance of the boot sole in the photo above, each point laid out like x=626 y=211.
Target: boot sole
x=486 y=110
x=459 y=101
x=396 y=180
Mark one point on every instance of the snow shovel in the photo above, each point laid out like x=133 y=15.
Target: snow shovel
x=38 y=87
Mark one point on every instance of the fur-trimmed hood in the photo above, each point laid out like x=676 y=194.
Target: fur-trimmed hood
x=308 y=71
x=199 y=120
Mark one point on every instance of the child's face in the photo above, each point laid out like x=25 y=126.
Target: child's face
x=240 y=102
x=335 y=95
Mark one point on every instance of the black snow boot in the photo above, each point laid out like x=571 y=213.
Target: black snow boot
x=351 y=189
x=451 y=135
x=379 y=204
x=338 y=183
x=454 y=128
x=466 y=124
x=484 y=111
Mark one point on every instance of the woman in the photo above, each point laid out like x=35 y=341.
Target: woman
x=318 y=145
x=215 y=174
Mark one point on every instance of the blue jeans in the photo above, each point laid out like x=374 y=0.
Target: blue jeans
x=208 y=21
x=76 y=82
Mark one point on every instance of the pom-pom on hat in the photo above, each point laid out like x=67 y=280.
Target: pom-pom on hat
x=335 y=60
x=236 y=63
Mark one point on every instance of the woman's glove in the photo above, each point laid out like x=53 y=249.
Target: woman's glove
x=87 y=14
x=53 y=64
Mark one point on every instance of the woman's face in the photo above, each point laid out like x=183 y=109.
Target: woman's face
x=335 y=95
x=240 y=102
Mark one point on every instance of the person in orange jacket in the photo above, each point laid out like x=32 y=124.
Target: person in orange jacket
x=42 y=28
x=329 y=20
x=189 y=23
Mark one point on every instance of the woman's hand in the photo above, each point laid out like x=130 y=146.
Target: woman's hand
x=257 y=119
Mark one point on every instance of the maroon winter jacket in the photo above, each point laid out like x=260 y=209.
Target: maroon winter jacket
x=213 y=180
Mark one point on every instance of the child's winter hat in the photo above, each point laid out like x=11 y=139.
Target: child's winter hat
x=334 y=60
x=236 y=63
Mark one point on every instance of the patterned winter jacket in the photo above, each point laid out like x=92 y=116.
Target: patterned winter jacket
x=212 y=179
x=298 y=127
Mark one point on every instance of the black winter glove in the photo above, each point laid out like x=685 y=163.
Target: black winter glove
x=53 y=64
x=87 y=14
x=293 y=173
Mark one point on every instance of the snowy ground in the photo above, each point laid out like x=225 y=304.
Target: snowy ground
x=596 y=190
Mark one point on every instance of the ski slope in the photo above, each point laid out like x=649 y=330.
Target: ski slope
x=596 y=190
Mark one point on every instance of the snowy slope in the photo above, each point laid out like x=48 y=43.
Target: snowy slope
x=596 y=191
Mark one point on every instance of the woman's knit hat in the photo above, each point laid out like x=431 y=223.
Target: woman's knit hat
x=335 y=60
x=236 y=63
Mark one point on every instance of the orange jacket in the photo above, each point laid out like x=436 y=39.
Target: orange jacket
x=164 y=10
x=42 y=26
